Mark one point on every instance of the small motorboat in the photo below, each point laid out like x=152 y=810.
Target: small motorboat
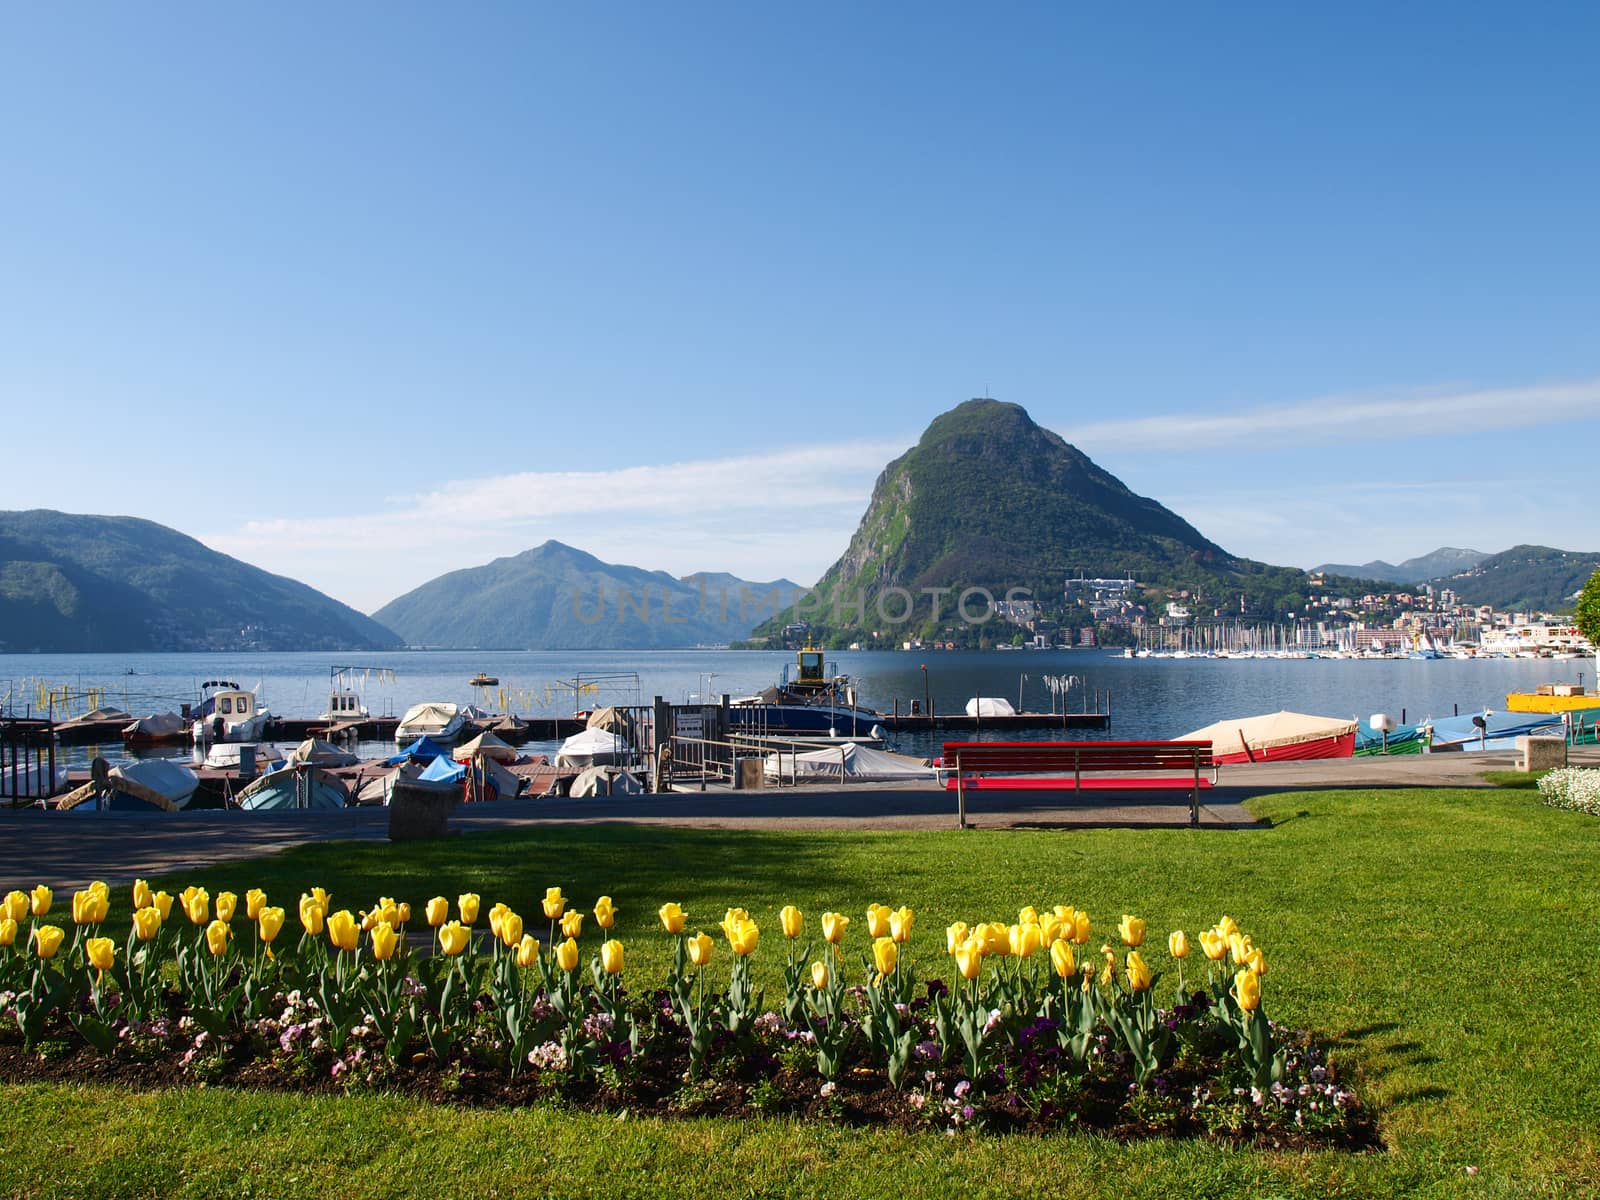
x=482 y=680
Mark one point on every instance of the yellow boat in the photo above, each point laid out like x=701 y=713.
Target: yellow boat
x=1552 y=698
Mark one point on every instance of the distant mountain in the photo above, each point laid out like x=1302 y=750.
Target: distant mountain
x=74 y=583
x=988 y=499
x=555 y=597
x=1447 y=560
x=1524 y=579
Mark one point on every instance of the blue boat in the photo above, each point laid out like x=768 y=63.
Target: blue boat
x=295 y=787
x=817 y=701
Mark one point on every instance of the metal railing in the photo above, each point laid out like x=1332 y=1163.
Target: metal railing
x=716 y=760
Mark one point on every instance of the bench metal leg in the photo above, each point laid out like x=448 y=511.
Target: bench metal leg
x=1194 y=800
x=961 y=801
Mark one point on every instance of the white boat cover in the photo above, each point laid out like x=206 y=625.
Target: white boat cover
x=103 y=713
x=224 y=756
x=850 y=761
x=488 y=745
x=323 y=754
x=613 y=719
x=1269 y=731
x=990 y=706
x=161 y=775
x=429 y=717
x=491 y=774
x=605 y=781
x=167 y=724
x=591 y=748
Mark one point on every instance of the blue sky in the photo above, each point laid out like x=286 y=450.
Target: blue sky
x=368 y=294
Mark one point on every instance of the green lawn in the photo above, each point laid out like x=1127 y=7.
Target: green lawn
x=1444 y=941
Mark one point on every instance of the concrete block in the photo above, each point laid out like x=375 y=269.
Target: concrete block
x=1541 y=753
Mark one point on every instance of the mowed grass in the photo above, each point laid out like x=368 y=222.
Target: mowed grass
x=1444 y=942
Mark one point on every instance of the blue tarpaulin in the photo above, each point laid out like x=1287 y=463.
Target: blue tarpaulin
x=1501 y=729
x=443 y=770
x=424 y=749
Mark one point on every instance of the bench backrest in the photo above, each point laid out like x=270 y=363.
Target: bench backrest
x=1076 y=756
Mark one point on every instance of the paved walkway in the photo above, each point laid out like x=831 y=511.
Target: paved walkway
x=67 y=850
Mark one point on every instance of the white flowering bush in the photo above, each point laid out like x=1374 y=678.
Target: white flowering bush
x=1572 y=787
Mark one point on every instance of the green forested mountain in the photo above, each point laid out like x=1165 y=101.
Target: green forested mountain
x=1524 y=578
x=555 y=597
x=70 y=582
x=988 y=499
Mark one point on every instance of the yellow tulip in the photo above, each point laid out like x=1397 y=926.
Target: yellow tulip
x=88 y=907
x=269 y=921
x=1257 y=962
x=162 y=903
x=1213 y=944
x=900 y=922
x=511 y=928
x=343 y=931
x=527 y=950
x=324 y=901
x=700 y=947
x=196 y=905
x=402 y=915
x=496 y=915
x=312 y=915
x=819 y=975
x=453 y=938
x=1131 y=930
x=567 y=955
x=384 y=941
x=1247 y=990
x=1081 y=927
x=438 y=911
x=467 y=903
x=743 y=937
x=572 y=924
x=996 y=938
x=955 y=936
x=1050 y=928
x=47 y=939
x=833 y=927
x=1227 y=927
x=673 y=918
x=8 y=931
x=101 y=952
x=554 y=904
x=605 y=912
x=878 y=920
x=1139 y=976
x=731 y=921
x=1023 y=940
x=611 y=957
x=227 y=905
x=217 y=938
x=1061 y=960
x=1028 y=915
x=254 y=901
x=1178 y=943
x=141 y=894
x=15 y=907
x=885 y=953
x=40 y=905
x=792 y=920
x=969 y=958
x=147 y=923
x=1239 y=946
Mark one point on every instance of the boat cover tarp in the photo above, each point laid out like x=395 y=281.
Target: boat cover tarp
x=172 y=780
x=295 y=787
x=487 y=745
x=849 y=761
x=323 y=754
x=1403 y=739
x=1500 y=732
x=224 y=756
x=990 y=706
x=591 y=748
x=104 y=713
x=611 y=718
x=491 y=775
x=160 y=725
x=1277 y=737
x=605 y=781
x=444 y=770
x=432 y=715
x=424 y=749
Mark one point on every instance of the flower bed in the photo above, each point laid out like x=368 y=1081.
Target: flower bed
x=1037 y=1032
x=1573 y=788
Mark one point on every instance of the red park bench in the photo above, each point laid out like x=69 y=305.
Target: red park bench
x=994 y=766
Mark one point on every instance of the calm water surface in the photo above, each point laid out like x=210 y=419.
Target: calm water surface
x=1149 y=698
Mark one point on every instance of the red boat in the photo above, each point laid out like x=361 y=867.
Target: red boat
x=1278 y=737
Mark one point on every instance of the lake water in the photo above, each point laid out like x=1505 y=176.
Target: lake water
x=1149 y=698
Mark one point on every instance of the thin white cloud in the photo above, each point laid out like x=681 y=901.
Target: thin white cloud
x=789 y=512
x=1345 y=418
